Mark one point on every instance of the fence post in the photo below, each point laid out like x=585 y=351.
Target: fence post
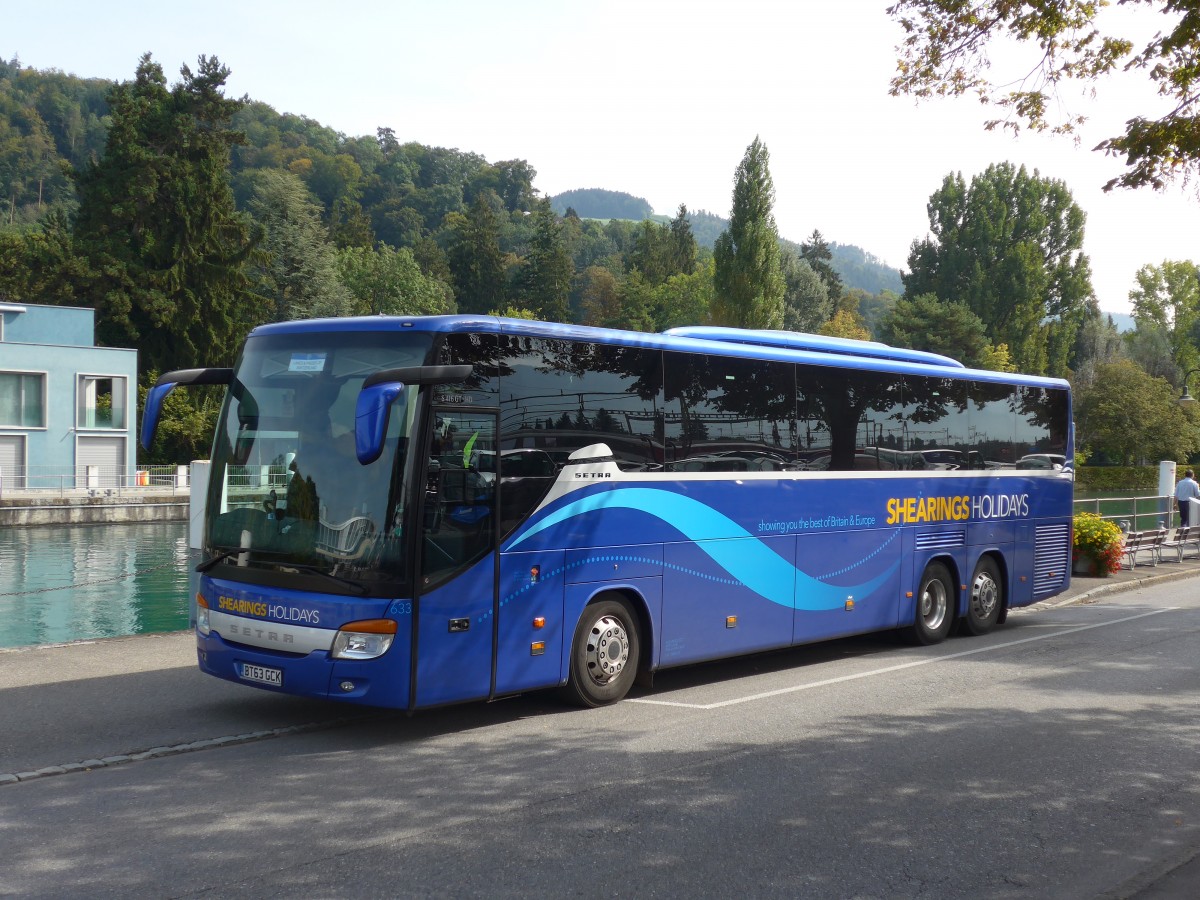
x=1166 y=487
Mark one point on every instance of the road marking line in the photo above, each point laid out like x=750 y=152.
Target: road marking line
x=1066 y=629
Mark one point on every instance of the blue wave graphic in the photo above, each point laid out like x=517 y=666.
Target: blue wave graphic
x=752 y=562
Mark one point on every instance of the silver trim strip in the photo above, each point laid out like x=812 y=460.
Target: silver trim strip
x=299 y=639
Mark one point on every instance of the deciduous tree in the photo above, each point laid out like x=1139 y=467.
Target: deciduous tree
x=946 y=53
x=846 y=324
x=806 y=302
x=297 y=273
x=1008 y=247
x=1132 y=416
x=1168 y=297
x=389 y=282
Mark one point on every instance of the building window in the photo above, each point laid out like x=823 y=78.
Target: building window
x=22 y=400
x=101 y=402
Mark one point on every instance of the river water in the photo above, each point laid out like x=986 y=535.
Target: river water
x=73 y=582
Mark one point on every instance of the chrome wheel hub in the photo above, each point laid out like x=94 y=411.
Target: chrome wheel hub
x=933 y=605
x=607 y=649
x=985 y=595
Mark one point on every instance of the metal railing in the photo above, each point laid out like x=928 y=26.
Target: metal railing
x=92 y=480
x=1132 y=513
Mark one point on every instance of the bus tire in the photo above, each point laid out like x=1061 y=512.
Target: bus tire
x=604 y=653
x=986 y=598
x=934 y=613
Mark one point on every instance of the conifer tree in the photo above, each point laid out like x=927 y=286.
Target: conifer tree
x=157 y=221
x=749 y=283
x=682 y=244
x=819 y=257
x=475 y=258
x=545 y=279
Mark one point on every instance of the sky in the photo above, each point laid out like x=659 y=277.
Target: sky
x=656 y=98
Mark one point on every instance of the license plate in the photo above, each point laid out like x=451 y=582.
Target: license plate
x=262 y=674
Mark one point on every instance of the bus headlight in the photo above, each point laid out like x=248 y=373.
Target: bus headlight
x=365 y=639
x=202 y=623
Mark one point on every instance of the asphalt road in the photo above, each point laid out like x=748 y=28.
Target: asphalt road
x=1054 y=758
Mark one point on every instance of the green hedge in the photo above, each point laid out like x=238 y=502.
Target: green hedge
x=1117 y=478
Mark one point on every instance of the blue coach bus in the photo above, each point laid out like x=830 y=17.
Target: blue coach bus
x=408 y=512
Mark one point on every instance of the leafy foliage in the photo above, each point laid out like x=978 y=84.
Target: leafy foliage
x=157 y=222
x=1132 y=416
x=186 y=424
x=747 y=278
x=925 y=323
x=1008 y=248
x=945 y=53
x=846 y=324
x=1167 y=297
x=389 y=282
x=296 y=274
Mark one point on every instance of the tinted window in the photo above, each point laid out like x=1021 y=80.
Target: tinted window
x=729 y=415
x=847 y=416
x=936 y=427
x=992 y=417
x=1041 y=428
x=482 y=353
x=558 y=396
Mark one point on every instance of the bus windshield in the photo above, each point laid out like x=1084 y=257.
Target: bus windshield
x=287 y=492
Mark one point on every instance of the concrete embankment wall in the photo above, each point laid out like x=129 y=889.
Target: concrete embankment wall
x=91 y=510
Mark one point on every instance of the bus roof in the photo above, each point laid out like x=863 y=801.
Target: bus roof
x=798 y=340
x=776 y=345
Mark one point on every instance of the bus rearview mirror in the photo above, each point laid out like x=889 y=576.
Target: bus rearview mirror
x=371 y=411
x=162 y=387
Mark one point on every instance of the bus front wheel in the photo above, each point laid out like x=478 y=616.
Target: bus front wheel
x=604 y=654
x=934 y=614
x=986 y=600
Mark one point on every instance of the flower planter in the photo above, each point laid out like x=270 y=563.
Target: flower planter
x=1086 y=566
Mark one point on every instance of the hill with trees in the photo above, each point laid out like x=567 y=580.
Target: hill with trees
x=857 y=268
x=185 y=218
x=597 y=203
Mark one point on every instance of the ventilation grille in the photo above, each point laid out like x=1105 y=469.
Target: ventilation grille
x=1051 y=558
x=941 y=540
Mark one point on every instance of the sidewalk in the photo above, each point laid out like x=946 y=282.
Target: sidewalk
x=1083 y=589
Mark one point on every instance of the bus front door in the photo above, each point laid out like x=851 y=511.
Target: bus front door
x=456 y=580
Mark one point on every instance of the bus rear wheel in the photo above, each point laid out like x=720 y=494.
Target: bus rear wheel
x=604 y=654
x=934 y=614
x=986 y=600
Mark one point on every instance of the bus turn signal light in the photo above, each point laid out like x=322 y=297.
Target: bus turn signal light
x=202 y=621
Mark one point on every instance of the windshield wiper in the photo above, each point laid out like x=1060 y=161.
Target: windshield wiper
x=317 y=570
x=231 y=552
x=221 y=557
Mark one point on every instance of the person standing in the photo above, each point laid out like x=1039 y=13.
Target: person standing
x=1187 y=492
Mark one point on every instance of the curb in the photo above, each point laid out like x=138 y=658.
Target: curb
x=88 y=765
x=1120 y=586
